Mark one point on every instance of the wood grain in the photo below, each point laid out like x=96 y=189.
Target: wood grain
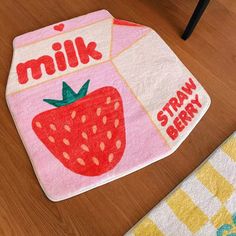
x=210 y=54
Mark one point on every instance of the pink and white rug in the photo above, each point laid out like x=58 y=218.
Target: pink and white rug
x=95 y=98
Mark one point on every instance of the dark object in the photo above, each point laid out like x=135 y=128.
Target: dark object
x=201 y=6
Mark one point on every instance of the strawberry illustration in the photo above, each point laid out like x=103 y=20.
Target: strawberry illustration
x=85 y=132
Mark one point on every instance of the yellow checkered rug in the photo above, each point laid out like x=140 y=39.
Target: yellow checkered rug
x=203 y=204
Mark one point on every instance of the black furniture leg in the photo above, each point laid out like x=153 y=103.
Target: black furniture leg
x=201 y=6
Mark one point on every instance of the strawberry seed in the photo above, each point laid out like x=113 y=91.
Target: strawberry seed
x=81 y=161
x=38 y=124
x=67 y=128
x=108 y=101
x=83 y=118
x=66 y=142
x=85 y=147
x=66 y=155
x=104 y=120
x=73 y=114
x=110 y=157
x=53 y=127
x=95 y=161
x=98 y=112
x=109 y=134
x=51 y=139
x=116 y=123
x=84 y=135
x=116 y=105
x=94 y=129
x=102 y=146
x=118 y=144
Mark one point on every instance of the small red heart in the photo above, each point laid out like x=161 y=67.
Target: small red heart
x=59 y=27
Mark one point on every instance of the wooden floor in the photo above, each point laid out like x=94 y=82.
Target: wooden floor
x=210 y=54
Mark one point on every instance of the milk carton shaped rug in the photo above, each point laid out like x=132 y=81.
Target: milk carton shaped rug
x=95 y=98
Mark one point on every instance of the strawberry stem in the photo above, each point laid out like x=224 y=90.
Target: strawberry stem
x=68 y=95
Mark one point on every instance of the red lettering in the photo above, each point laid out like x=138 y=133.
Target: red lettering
x=174 y=103
x=181 y=96
x=178 y=124
x=59 y=56
x=85 y=52
x=70 y=53
x=172 y=132
x=196 y=101
x=189 y=87
x=166 y=108
x=35 y=66
x=191 y=110
x=162 y=118
x=183 y=115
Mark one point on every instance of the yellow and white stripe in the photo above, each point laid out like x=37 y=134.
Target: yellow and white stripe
x=229 y=147
x=174 y=223
x=201 y=196
x=231 y=203
x=201 y=204
x=214 y=182
x=225 y=166
x=186 y=211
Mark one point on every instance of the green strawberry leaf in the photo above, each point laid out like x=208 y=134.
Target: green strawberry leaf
x=68 y=95
x=83 y=91
x=56 y=103
x=67 y=91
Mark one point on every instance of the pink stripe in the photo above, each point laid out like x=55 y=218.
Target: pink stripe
x=71 y=24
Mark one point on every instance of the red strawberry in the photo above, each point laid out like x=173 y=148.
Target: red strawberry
x=85 y=132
